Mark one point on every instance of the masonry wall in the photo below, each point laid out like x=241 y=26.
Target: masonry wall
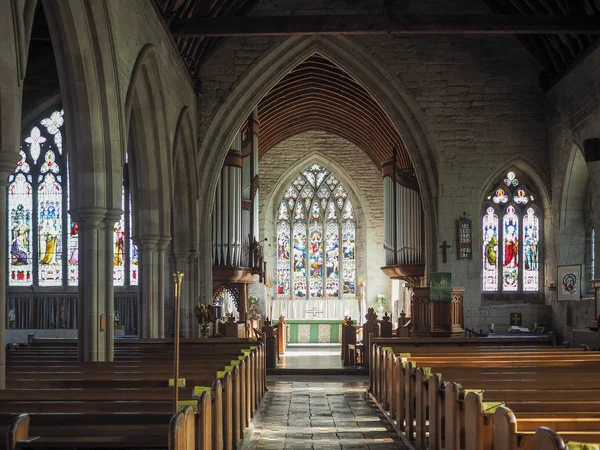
x=477 y=99
x=135 y=24
x=573 y=116
x=359 y=176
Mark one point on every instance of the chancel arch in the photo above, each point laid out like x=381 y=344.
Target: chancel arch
x=367 y=71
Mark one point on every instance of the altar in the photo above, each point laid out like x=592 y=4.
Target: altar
x=314 y=331
x=305 y=309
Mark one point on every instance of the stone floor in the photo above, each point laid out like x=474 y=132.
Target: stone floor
x=315 y=356
x=320 y=412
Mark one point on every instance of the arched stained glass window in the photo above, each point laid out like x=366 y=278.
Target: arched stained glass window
x=316 y=234
x=511 y=236
x=592 y=251
x=43 y=239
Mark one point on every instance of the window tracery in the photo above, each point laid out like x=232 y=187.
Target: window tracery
x=316 y=234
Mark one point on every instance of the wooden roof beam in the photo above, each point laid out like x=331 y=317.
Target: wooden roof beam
x=382 y=24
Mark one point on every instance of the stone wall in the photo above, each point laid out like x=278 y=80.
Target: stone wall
x=476 y=100
x=573 y=116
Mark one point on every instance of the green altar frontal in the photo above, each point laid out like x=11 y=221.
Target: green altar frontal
x=314 y=331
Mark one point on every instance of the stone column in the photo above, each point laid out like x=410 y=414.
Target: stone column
x=112 y=216
x=148 y=286
x=7 y=166
x=92 y=283
x=163 y=283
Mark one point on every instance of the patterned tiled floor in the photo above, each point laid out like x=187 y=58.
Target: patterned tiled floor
x=327 y=413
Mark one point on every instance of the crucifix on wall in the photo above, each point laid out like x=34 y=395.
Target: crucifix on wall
x=444 y=247
x=314 y=311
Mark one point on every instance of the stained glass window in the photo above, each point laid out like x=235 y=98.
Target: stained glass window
x=490 y=250
x=119 y=247
x=43 y=239
x=20 y=207
x=531 y=239
x=72 y=241
x=593 y=254
x=49 y=231
x=511 y=235
x=316 y=226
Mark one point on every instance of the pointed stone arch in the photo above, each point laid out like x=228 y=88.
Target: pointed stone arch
x=84 y=47
x=577 y=176
x=531 y=173
x=367 y=70
x=185 y=187
x=150 y=169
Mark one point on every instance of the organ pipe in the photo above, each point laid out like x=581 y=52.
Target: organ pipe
x=227 y=209
x=403 y=225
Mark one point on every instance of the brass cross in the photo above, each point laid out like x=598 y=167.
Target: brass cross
x=314 y=311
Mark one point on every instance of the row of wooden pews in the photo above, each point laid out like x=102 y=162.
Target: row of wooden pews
x=128 y=403
x=483 y=395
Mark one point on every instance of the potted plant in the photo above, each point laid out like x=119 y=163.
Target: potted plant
x=380 y=302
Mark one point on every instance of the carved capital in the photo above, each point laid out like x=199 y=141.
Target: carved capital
x=181 y=258
x=163 y=242
x=146 y=242
x=88 y=218
x=112 y=216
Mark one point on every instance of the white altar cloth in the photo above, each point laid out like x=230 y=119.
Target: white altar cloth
x=300 y=308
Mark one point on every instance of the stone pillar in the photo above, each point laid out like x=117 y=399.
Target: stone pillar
x=112 y=216
x=7 y=166
x=148 y=286
x=92 y=283
x=163 y=284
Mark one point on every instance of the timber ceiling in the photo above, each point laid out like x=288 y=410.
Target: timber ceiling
x=318 y=95
x=556 y=52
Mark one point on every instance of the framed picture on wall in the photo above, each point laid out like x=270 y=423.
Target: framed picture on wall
x=568 y=280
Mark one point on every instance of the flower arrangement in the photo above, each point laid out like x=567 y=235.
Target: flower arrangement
x=380 y=299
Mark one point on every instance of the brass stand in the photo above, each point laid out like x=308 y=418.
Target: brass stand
x=177 y=277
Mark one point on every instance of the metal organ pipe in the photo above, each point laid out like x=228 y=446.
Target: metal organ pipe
x=403 y=218
x=227 y=210
x=388 y=220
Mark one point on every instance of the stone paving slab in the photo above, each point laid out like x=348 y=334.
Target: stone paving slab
x=320 y=415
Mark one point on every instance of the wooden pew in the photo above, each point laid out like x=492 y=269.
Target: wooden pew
x=107 y=431
x=249 y=387
x=511 y=434
x=428 y=395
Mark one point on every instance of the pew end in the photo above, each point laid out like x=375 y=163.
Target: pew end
x=547 y=439
x=478 y=423
x=452 y=412
x=217 y=414
x=204 y=422
x=18 y=431
x=177 y=432
x=505 y=429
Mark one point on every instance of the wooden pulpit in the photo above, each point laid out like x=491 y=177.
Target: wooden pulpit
x=437 y=319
